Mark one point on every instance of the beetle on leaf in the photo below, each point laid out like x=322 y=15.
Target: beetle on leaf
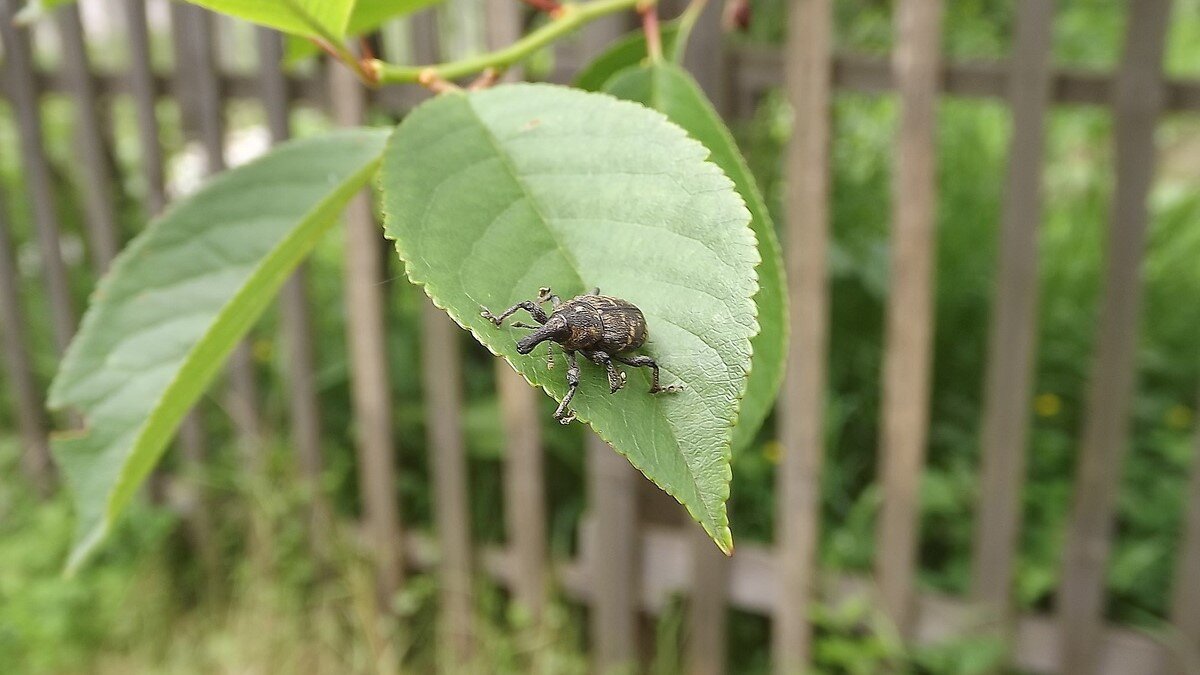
x=602 y=328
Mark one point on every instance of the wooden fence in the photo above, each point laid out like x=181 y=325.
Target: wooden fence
x=628 y=565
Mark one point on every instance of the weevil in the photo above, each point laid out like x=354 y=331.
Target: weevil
x=602 y=328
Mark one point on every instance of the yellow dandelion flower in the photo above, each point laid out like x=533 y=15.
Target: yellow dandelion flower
x=1178 y=417
x=1047 y=405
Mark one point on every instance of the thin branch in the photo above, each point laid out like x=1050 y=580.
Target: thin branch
x=551 y=7
x=332 y=45
x=486 y=79
x=687 y=21
x=569 y=17
x=649 y=12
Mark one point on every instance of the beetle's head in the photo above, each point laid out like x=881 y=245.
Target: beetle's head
x=555 y=330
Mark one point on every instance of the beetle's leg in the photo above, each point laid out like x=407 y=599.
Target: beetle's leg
x=645 y=361
x=545 y=295
x=550 y=355
x=522 y=324
x=528 y=305
x=616 y=379
x=564 y=415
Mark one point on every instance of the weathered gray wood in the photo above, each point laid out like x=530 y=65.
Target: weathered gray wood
x=441 y=373
x=304 y=413
x=755 y=587
x=707 y=58
x=1009 y=379
x=759 y=69
x=206 y=106
x=1185 y=605
x=23 y=93
x=611 y=555
x=802 y=405
x=31 y=421
x=754 y=70
x=524 y=477
x=144 y=89
x=524 y=489
x=96 y=179
x=370 y=392
x=908 y=347
x=612 y=558
x=188 y=31
x=1136 y=107
x=707 y=636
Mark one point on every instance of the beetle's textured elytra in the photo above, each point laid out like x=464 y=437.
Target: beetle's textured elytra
x=600 y=327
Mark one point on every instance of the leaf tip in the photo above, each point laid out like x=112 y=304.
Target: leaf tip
x=83 y=549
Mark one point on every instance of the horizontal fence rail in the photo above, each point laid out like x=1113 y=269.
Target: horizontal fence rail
x=755 y=71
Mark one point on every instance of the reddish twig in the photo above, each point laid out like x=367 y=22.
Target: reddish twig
x=364 y=45
x=430 y=79
x=649 y=12
x=326 y=47
x=551 y=7
x=367 y=68
x=486 y=79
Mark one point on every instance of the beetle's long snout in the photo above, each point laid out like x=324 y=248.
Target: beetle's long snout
x=547 y=332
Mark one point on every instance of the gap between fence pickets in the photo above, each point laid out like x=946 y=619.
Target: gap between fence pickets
x=754 y=587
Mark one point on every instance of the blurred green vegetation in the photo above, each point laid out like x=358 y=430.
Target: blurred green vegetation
x=145 y=604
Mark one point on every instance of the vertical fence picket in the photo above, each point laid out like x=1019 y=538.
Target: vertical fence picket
x=612 y=564
x=1185 y=605
x=202 y=75
x=908 y=347
x=31 y=421
x=707 y=616
x=612 y=553
x=192 y=435
x=1009 y=379
x=1137 y=103
x=24 y=95
x=524 y=488
x=144 y=92
x=808 y=82
x=441 y=370
x=370 y=392
x=142 y=87
x=707 y=59
x=304 y=412
x=96 y=181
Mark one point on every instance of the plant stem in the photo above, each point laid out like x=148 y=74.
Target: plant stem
x=568 y=18
x=329 y=42
x=687 y=21
x=650 y=27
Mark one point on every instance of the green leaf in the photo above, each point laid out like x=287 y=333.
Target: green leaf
x=178 y=298
x=368 y=15
x=670 y=90
x=625 y=52
x=493 y=194
x=36 y=10
x=307 y=18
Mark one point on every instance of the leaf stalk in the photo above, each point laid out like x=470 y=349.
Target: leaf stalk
x=568 y=18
